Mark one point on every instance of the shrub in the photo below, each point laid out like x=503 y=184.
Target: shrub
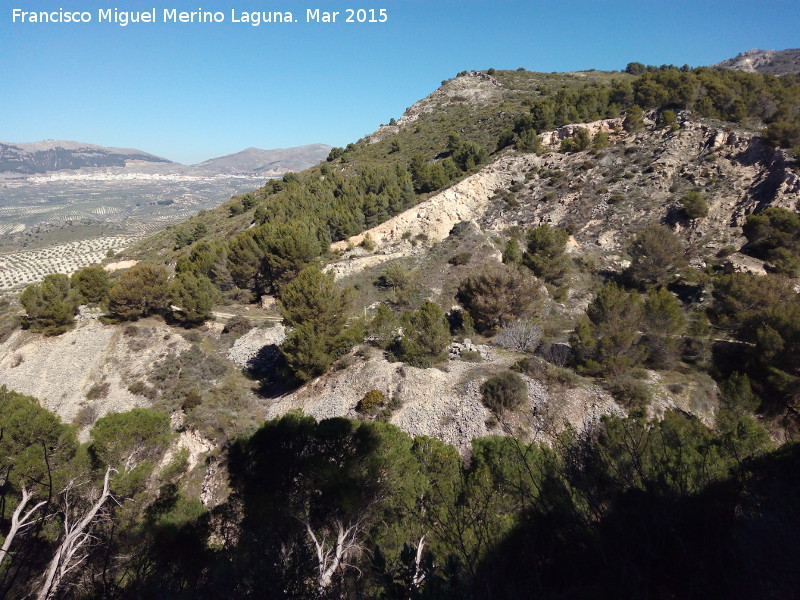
x=656 y=256
x=86 y=415
x=505 y=140
x=471 y=356
x=512 y=253
x=462 y=258
x=382 y=327
x=370 y=402
x=529 y=141
x=737 y=394
x=140 y=388
x=401 y=281
x=545 y=255
x=468 y=155
x=520 y=335
x=577 y=143
x=426 y=336
x=694 y=205
x=192 y=400
x=600 y=140
x=237 y=326
x=774 y=235
x=499 y=296
x=631 y=393
x=98 y=391
x=503 y=392
x=634 y=120
x=368 y=243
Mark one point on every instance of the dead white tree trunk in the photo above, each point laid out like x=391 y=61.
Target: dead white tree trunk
x=419 y=572
x=20 y=521
x=70 y=553
x=331 y=558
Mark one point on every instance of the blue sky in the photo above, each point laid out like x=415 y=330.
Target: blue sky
x=190 y=92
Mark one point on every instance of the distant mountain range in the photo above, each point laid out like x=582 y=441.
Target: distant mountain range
x=57 y=155
x=772 y=62
x=267 y=162
x=48 y=156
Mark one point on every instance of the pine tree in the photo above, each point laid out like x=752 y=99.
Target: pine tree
x=499 y=296
x=141 y=290
x=317 y=308
x=50 y=305
x=91 y=284
x=426 y=336
x=194 y=295
x=656 y=256
x=545 y=255
x=607 y=340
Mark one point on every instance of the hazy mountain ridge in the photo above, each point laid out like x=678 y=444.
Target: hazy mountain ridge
x=56 y=156
x=268 y=162
x=771 y=62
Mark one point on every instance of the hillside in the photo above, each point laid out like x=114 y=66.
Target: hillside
x=537 y=336
x=771 y=62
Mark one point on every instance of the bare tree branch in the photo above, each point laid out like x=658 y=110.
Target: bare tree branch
x=332 y=558
x=70 y=553
x=19 y=521
x=419 y=572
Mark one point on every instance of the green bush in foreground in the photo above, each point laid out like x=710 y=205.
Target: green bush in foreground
x=503 y=392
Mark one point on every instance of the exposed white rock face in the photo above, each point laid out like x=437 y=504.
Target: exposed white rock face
x=444 y=403
x=247 y=348
x=554 y=138
x=60 y=370
x=603 y=198
x=434 y=218
x=773 y=62
x=741 y=263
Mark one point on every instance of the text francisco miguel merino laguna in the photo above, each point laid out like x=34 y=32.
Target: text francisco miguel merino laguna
x=173 y=15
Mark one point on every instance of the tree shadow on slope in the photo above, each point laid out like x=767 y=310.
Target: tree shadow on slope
x=732 y=540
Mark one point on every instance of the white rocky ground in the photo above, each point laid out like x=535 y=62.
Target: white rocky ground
x=60 y=370
x=735 y=169
x=433 y=218
x=445 y=402
x=247 y=347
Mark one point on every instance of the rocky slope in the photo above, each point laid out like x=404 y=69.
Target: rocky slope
x=62 y=371
x=603 y=197
x=772 y=62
